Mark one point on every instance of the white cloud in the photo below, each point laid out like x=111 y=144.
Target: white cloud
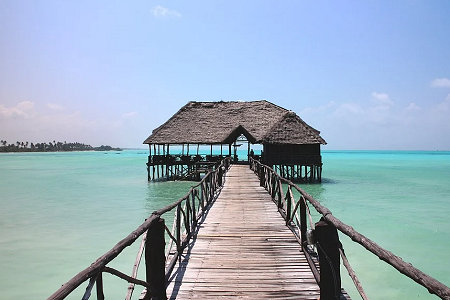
x=444 y=106
x=23 y=109
x=54 y=106
x=349 y=108
x=382 y=98
x=34 y=122
x=379 y=124
x=441 y=82
x=412 y=107
x=160 y=11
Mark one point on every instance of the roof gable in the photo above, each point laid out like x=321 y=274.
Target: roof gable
x=293 y=129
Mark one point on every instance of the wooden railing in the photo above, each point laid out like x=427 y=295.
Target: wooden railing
x=188 y=211
x=323 y=237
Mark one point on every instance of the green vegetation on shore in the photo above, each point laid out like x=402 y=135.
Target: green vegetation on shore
x=51 y=147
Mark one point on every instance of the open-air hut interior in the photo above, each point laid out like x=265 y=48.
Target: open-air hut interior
x=277 y=136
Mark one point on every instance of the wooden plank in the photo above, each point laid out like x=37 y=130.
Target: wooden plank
x=243 y=250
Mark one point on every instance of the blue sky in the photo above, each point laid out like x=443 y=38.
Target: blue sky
x=367 y=74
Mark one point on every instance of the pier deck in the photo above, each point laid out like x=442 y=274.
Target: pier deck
x=243 y=250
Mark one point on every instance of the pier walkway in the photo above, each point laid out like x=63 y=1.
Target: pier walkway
x=243 y=250
x=236 y=235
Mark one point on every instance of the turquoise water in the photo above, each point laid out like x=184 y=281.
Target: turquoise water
x=60 y=211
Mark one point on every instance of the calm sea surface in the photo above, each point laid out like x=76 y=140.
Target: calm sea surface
x=60 y=211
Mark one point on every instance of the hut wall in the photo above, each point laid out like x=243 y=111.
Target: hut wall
x=288 y=154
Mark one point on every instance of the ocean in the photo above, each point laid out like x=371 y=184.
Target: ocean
x=60 y=211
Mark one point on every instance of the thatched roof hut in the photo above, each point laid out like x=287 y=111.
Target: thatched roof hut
x=289 y=144
x=261 y=122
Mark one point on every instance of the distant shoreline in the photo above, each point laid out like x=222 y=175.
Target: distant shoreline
x=59 y=151
x=51 y=147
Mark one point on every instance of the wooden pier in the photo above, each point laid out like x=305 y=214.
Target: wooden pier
x=244 y=233
x=243 y=250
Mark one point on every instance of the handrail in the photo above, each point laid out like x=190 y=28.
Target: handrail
x=269 y=178
x=208 y=187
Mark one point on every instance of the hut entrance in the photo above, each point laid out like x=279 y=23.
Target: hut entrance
x=241 y=150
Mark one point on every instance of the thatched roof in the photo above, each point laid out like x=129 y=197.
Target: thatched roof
x=222 y=122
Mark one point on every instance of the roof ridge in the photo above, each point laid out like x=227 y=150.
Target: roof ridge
x=235 y=101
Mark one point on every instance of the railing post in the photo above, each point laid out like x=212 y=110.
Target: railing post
x=273 y=184
x=155 y=261
x=188 y=211
x=262 y=176
x=99 y=287
x=211 y=187
x=178 y=230
x=280 y=194
x=328 y=248
x=303 y=223
x=202 y=192
x=219 y=176
x=288 y=200
x=194 y=211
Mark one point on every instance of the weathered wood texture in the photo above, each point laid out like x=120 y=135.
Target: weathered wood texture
x=243 y=250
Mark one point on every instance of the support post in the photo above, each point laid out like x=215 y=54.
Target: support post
x=155 y=261
x=99 y=287
x=328 y=245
